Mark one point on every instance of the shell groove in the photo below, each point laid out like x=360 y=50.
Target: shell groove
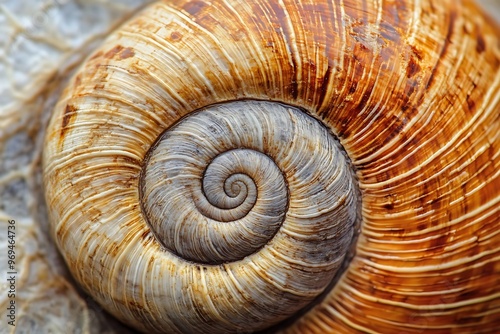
x=410 y=89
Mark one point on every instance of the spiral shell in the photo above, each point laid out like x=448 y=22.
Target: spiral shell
x=209 y=167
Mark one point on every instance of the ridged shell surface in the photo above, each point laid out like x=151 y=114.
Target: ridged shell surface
x=387 y=110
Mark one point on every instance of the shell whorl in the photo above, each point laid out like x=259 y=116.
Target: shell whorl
x=237 y=163
x=249 y=202
x=197 y=180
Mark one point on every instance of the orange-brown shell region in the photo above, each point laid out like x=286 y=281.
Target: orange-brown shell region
x=411 y=89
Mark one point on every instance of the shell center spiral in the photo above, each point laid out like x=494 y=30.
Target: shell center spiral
x=218 y=185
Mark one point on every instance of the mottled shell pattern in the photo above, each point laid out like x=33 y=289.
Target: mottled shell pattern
x=295 y=165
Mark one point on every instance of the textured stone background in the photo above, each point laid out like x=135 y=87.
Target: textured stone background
x=41 y=43
x=492 y=7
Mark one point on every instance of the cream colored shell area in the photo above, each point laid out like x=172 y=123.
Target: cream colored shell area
x=411 y=96
x=235 y=177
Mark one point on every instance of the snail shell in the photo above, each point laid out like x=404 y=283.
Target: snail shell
x=220 y=166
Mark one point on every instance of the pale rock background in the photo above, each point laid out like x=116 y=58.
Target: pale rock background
x=41 y=43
